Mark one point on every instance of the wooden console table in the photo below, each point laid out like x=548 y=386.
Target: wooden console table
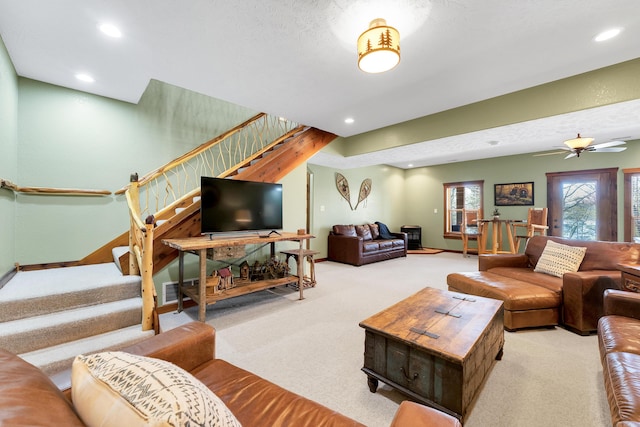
x=199 y=246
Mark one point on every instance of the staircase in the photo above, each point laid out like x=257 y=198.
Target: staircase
x=50 y=316
x=102 y=302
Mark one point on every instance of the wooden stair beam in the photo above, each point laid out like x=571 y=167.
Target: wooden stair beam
x=187 y=223
x=251 y=159
x=103 y=254
x=188 y=226
x=289 y=156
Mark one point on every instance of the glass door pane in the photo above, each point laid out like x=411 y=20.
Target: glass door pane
x=635 y=208
x=579 y=213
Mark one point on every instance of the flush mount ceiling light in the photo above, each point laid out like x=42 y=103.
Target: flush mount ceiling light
x=378 y=47
x=606 y=35
x=110 y=30
x=85 y=78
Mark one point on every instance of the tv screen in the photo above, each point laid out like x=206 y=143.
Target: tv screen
x=230 y=205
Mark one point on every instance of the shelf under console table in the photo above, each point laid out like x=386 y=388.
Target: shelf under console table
x=199 y=245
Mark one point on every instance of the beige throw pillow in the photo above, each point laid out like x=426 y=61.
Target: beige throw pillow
x=122 y=389
x=557 y=259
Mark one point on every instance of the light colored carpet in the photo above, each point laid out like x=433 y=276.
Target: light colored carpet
x=315 y=348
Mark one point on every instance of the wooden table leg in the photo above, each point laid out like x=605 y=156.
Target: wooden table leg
x=300 y=270
x=180 y=279
x=512 y=244
x=202 y=286
x=494 y=237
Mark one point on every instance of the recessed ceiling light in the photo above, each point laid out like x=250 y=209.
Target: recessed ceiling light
x=110 y=30
x=348 y=120
x=85 y=78
x=410 y=165
x=606 y=35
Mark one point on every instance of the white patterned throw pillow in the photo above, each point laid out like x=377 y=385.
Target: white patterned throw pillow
x=122 y=389
x=558 y=259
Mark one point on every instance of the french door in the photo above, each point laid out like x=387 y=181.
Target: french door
x=583 y=204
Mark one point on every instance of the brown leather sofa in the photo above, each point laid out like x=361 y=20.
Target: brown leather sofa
x=29 y=398
x=362 y=244
x=533 y=299
x=618 y=338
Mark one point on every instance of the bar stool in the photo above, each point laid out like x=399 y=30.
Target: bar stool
x=307 y=281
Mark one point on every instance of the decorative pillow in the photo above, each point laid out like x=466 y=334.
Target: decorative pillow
x=122 y=389
x=344 y=230
x=375 y=232
x=363 y=231
x=557 y=259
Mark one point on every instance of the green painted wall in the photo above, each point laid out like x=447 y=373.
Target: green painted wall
x=426 y=190
x=386 y=203
x=8 y=158
x=411 y=196
x=72 y=139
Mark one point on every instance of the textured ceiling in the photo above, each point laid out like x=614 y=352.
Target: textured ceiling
x=297 y=59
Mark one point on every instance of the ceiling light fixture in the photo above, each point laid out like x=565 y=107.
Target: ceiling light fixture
x=110 y=30
x=378 y=47
x=578 y=142
x=606 y=35
x=348 y=120
x=85 y=78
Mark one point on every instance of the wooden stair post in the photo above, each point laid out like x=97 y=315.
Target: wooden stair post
x=148 y=287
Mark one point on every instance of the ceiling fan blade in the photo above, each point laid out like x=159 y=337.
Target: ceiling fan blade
x=548 y=154
x=609 y=150
x=608 y=144
x=570 y=155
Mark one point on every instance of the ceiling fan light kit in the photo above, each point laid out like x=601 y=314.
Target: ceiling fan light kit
x=578 y=142
x=580 y=145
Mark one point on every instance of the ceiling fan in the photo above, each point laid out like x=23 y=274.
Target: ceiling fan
x=579 y=145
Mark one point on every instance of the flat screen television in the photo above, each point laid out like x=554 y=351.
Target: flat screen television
x=231 y=205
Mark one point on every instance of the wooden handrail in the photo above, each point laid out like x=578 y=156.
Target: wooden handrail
x=191 y=154
x=52 y=190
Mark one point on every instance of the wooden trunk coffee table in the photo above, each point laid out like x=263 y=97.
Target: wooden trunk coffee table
x=436 y=346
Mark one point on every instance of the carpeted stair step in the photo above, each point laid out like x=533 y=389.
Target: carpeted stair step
x=56 y=361
x=34 y=293
x=29 y=334
x=117 y=254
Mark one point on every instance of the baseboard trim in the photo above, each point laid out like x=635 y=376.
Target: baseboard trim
x=168 y=308
x=7 y=276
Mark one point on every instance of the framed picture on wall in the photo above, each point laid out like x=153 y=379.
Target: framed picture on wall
x=514 y=194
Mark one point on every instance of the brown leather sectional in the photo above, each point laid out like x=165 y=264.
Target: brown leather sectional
x=533 y=299
x=362 y=244
x=29 y=398
x=619 y=341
